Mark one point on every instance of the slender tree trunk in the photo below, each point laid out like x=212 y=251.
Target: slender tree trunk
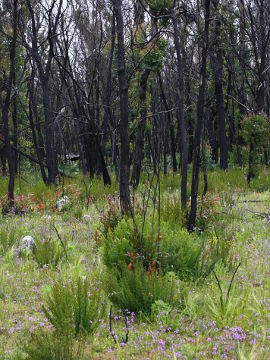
x=212 y=135
x=204 y=161
x=15 y=126
x=51 y=159
x=217 y=66
x=139 y=145
x=31 y=120
x=124 y=110
x=108 y=119
x=170 y=123
x=199 y=123
x=260 y=98
x=7 y=104
x=181 y=119
x=190 y=121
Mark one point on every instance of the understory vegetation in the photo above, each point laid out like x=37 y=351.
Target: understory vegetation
x=100 y=285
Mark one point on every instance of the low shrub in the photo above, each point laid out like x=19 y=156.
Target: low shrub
x=74 y=307
x=46 y=345
x=48 y=251
x=256 y=134
x=7 y=238
x=189 y=256
x=111 y=214
x=135 y=289
x=171 y=211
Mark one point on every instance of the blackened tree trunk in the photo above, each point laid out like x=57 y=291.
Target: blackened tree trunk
x=190 y=121
x=211 y=128
x=6 y=103
x=44 y=71
x=181 y=119
x=217 y=66
x=199 y=122
x=170 y=123
x=15 y=125
x=139 y=145
x=204 y=161
x=124 y=110
x=51 y=158
x=31 y=120
x=108 y=119
x=262 y=45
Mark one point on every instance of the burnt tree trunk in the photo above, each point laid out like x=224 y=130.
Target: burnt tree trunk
x=31 y=120
x=6 y=103
x=170 y=124
x=217 y=66
x=199 y=122
x=124 y=110
x=139 y=145
x=181 y=119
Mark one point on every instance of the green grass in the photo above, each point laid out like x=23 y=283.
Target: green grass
x=197 y=323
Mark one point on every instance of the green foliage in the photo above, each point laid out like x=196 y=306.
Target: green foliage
x=135 y=289
x=226 y=307
x=46 y=345
x=160 y=7
x=111 y=214
x=74 y=307
x=7 y=238
x=208 y=211
x=153 y=59
x=170 y=210
x=161 y=311
x=189 y=256
x=48 y=251
x=256 y=134
x=143 y=283
x=167 y=315
x=255 y=130
x=180 y=252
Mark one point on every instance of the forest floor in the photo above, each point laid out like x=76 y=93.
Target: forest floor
x=224 y=315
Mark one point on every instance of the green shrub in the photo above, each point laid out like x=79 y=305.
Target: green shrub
x=118 y=244
x=46 y=345
x=112 y=213
x=208 y=212
x=135 y=289
x=171 y=211
x=48 y=251
x=189 y=256
x=165 y=314
x=7 y=238
x=74 y=307
x=180 y=252
x=256 y=133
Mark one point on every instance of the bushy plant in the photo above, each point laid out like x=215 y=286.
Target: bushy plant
x=132 y=240
x=208 y=212
x=189 y=256
x=19 y=207
x=255 y=132
x=135 y=289
x=171 y=211
x=160 y=7
x=111 y=214
x=46 y=345
x=227 y=306
x=48 y=251
x=74 y=307
x=181 y=252
x=7 y=238
x=165 y=314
